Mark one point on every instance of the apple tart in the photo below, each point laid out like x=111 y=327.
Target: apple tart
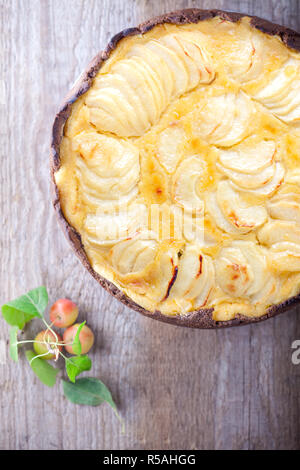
x=176 y=168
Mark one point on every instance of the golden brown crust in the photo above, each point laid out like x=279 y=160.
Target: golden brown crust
x=201 y=318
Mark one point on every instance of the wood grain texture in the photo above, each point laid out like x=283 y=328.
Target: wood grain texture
x=176 y=388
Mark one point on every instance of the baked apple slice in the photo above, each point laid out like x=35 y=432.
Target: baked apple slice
x=236 y=211
x=249 y=157
x=108 y=169
x=276 y=231
x=242 y=269
x=168 y=152
x=281 y=94
x=285 y=206
x=195 y=277
x=185 y=181
x=226 y=119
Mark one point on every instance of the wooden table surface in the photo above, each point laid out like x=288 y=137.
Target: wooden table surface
x=176 y=388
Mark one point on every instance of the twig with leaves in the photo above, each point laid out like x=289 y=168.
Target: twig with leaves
x=85 y=391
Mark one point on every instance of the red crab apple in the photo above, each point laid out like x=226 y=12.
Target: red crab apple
x=63 y=313
x=86 y=338
x=44 y=342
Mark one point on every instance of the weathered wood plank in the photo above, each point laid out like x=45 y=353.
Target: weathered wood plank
x=176 y=388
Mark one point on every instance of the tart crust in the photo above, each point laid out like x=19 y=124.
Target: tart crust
x=202 y=318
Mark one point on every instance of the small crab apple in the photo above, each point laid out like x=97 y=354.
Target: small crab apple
x=63 y=313
x=46 y=341
x=86 y=338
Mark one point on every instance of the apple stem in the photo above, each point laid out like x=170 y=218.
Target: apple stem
x=65 y=357
x=43 y=342
x=39 y=355
x=50 y=329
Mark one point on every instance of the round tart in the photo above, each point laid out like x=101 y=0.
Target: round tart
x=176 y=168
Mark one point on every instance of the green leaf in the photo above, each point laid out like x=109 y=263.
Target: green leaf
x=21 y=310
x=44 y=371
x=13 y=343
x=76 y=365
x=88 y=391
x=76 y=345
x=15 y=317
